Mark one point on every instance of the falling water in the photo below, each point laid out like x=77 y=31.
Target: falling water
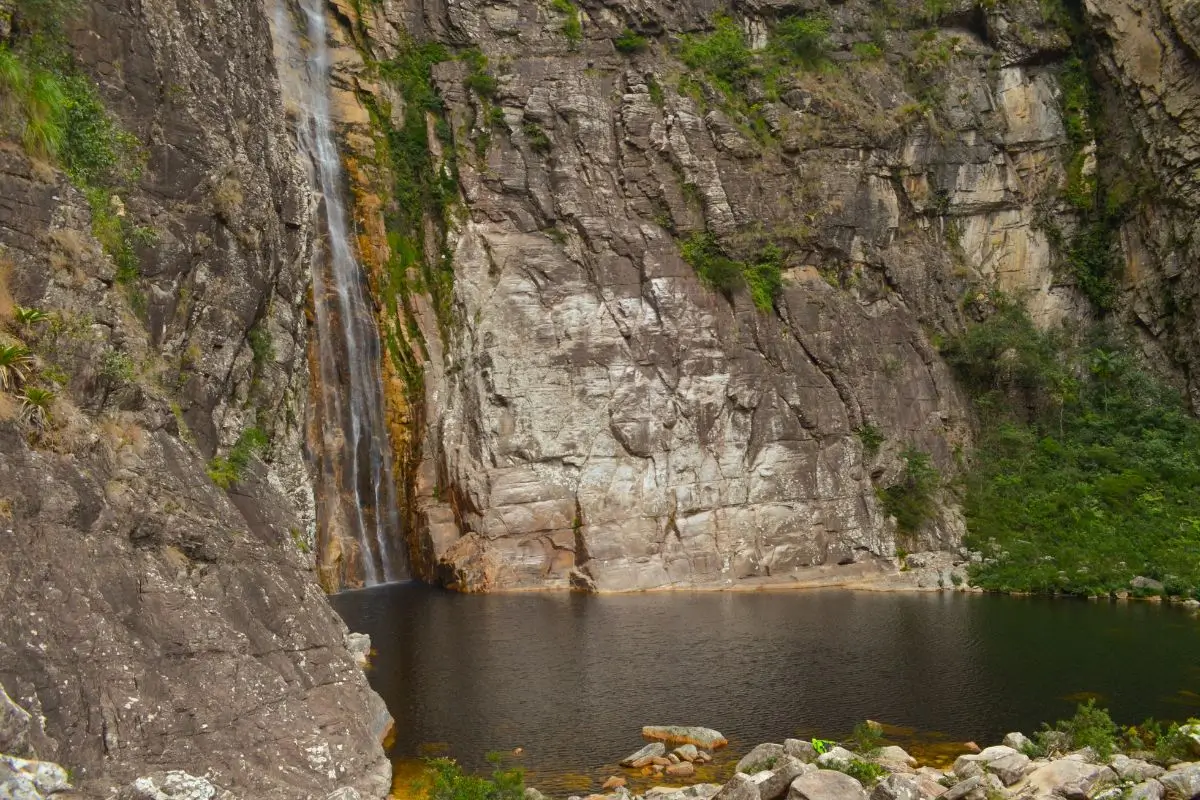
x=357 y=496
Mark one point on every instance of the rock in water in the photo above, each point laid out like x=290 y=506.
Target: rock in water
x=613 y=782
x=684 y=769
x=688 y=752
x=645 y=756
x=826 y=784
x=764 y=756
x=685 y=734
x=359 y=645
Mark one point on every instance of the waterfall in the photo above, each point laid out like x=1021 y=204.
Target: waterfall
x=356 y=486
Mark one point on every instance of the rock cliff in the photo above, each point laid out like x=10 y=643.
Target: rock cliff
x=589 y=410
x=152 y=621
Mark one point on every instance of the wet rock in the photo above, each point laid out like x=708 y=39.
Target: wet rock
x=688 y=752
x=707 y=738
x=645 y=755
x=763 y=756
x=826 y=784
x=1181 y=782
x=684 y=769
x=1134 y=769
x=801 y=749
x=613 y=782
x=739 y=787
x=359 y=645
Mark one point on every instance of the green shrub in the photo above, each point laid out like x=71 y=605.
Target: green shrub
x=478 y=79
x=723 y=54
x=865 y=772
x=538 y=141
x=447 y=781
x=262 y=348
x=911 y=499
x=630 y=42
x=867 y=51
x=1090 y=727
x=763 y=276
x=866 y=738
x=572 y=26
x=802 y=41
x=1085 y=466
x=871 y=439
x=227 y=471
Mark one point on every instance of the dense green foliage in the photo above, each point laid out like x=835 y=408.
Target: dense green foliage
x=866 y=738
x=227 y=471
x=867 y=773
x=572 y=26
x=725 y=57
x=447 y=781
x=762 y=276
x=630 y=42
x=1093 y=727
x=1086 y=465
x=911 y=499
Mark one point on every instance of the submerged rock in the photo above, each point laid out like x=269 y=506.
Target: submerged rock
x=645 y=756
x=613 y=782
x=707 y=738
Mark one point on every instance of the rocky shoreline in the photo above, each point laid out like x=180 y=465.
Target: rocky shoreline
x=1047 y=767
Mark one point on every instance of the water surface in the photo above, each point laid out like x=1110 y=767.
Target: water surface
x=571 y=678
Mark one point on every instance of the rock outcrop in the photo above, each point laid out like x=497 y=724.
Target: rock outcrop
x=154 y=623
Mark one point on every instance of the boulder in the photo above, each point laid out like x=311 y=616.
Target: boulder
x=359 y=645
x=533 y=794
x=21 y=778
x=684 y=769
x=979 y=787
x=613 y=782
x=773 y=784
x=685 y=734
x=173 y=785
x=994 y=752
x=826 y=784
x=967 y=767
x=1147 y=790
x=1010 y=768
x=1017 y=741
x=895 y=755
x=835 y=755
x=1146 y=584
x=673 y=758
x=1181 y=782
x=661 y=761
x=898 y=787
x=697 y=791
x=739 y=787
x=1134 y=769
x=688 y=752
x=799 y=748
x=764 y=756
x=1070 y=778
x=644 y=756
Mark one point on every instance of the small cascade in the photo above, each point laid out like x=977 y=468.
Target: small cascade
x=356 y=496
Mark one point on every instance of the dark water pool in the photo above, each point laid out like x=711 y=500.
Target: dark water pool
x=572 y=678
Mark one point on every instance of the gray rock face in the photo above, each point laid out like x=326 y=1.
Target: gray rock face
x=174 y=785
x=979 y=787
x=1016 y=740
x=1181 y=782
x=156 y=621
x=1069 y=778
x=773 y=783
x=739 y=787
x=15 y=724
x=23 y=779
x=898 y=787
x=1147 y=790
x=826 y=784
x=1134 y=769
x=1010 y=768
x=801 y=749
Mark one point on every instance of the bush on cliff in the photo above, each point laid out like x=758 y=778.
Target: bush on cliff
x=1086 y=466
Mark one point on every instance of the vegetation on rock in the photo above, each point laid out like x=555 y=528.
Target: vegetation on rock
x=1086 y=465
x=762 y=277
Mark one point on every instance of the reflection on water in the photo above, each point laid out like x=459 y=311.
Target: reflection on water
x=571 y=678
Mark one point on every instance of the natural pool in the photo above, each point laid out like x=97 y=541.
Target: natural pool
x=571 y=678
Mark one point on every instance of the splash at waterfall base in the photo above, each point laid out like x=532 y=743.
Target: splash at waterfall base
x=359 y=538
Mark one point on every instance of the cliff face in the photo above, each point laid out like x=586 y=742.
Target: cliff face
x=151 y=620
x=590 y=411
